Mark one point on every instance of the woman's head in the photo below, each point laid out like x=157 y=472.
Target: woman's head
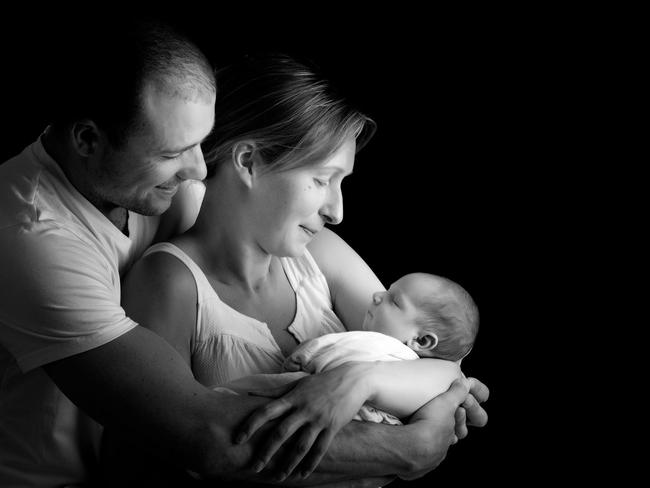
x=282 y=143
x=286 y=109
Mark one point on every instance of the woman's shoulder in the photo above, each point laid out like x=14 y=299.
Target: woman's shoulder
x=161 y=270
x=159 y=293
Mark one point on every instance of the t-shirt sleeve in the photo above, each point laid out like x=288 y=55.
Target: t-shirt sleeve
x=59 y=296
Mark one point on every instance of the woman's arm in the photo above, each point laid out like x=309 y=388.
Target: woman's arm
x=350 y=279
x=402 y=387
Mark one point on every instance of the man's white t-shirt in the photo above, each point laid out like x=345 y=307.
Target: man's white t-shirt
x=60 y=267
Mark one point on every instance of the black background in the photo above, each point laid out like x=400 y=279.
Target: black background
x=466 y=177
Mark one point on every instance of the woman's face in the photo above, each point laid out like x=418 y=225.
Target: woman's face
x=293 y=206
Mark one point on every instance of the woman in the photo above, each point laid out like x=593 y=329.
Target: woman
x=258 y=273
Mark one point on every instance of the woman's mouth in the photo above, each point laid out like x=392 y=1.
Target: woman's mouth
x=309 y=232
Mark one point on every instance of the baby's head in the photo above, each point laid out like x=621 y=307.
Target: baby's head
x=432 y=315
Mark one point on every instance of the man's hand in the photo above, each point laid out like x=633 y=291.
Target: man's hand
x=315 y=408
x=436 y=422
x=471 y=412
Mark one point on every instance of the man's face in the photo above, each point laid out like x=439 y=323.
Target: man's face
x=143 y=175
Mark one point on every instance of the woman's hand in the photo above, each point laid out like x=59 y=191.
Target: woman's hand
x=315 y=408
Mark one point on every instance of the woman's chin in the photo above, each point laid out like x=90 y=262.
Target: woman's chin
x=292 y=252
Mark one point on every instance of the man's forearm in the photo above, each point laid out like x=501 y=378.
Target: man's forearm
x=364 y=449
x=359 y=450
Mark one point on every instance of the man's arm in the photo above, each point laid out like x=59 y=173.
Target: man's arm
x=139 y=384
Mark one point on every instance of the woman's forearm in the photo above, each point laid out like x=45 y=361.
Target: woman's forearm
x=402 y=387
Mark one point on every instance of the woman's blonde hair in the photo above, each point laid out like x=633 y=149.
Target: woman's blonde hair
x=291 y=113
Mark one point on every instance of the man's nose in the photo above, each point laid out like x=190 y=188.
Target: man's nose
x=193 y=165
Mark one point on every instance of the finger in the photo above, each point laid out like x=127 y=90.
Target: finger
x=275 y=440
x=456 y=394
x=301 y=447
x=318 y=450
x=479 y=390
x=259 y=417
x=476 y=415
x=274 y=392
x=460 y=427
x=454 y=440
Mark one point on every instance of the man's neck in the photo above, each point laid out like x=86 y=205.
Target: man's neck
x=120 y=219
x=53 y=146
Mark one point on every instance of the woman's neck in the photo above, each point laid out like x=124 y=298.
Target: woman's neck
x=224 y=247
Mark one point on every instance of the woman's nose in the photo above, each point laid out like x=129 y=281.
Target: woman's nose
x=332 y=211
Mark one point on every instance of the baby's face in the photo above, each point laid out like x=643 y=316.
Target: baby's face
x=394 y=312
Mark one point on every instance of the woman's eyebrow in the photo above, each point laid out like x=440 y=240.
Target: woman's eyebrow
x=333 y=170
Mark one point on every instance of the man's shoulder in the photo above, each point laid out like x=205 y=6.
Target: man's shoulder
x=19 y=179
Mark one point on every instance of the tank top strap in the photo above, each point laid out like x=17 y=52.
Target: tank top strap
x=297 y=269
x=202 y=283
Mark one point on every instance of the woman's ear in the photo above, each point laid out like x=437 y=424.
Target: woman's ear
x=424 y=342
x=245 y=161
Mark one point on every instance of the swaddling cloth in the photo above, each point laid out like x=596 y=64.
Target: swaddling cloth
x=331 y=350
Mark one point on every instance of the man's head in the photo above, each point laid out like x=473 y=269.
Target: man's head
x=136 y=103
x=432 y=315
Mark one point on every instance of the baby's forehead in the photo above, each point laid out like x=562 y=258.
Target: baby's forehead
x=418 y=282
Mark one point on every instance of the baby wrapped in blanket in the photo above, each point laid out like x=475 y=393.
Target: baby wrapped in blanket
x=419 y=316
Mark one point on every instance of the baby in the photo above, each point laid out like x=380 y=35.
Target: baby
x=433 y=316
x=420 y=315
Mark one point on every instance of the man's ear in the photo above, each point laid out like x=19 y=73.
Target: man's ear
x=424 y=342
x=246 y=161
x=86 y=137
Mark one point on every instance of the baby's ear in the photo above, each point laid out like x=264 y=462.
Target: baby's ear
x=425 y=342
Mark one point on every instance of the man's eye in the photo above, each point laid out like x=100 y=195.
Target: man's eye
x=171 y=156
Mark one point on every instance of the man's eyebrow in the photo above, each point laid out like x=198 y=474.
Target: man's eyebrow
x=190 y=146
x=179 y=150
x=183 y=149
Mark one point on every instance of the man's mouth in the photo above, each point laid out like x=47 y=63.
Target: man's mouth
x=168 y=188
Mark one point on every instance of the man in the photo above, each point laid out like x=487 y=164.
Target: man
x=77 y=208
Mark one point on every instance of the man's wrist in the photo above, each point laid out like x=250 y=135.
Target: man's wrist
x=423 y=448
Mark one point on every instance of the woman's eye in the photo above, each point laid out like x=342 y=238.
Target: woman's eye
x=321 y=182
x=171 y=156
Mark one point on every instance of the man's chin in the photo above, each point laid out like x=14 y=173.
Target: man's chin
x=151 y=209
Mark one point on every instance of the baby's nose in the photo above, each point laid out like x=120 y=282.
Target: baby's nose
x=376 y=298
